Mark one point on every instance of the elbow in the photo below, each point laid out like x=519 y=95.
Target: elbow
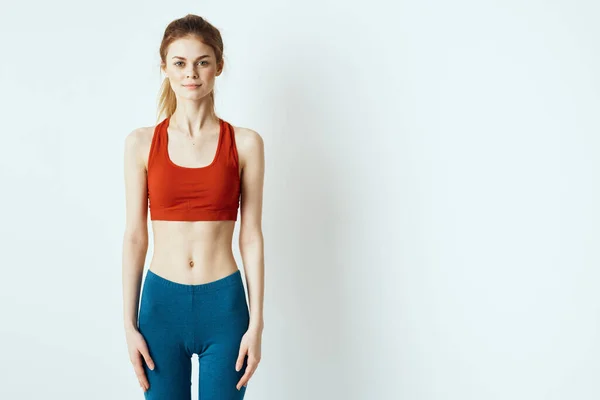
x=250 y=237
x=137 y=238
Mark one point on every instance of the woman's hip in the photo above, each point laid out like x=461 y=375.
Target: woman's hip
x=169 y=302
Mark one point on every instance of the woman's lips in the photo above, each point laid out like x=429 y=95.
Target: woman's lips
x=191 y=86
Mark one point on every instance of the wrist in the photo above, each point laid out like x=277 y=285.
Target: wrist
x=256 y=326
x=130 y=327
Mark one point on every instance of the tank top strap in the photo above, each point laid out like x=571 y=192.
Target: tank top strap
x=158 y=141
x=229 y=149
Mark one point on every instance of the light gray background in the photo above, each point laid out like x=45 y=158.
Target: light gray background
x=431 y=194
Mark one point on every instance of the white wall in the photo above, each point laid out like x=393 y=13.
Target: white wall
x=431 y=195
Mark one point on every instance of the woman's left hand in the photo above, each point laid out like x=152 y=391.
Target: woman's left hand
x=250 y=345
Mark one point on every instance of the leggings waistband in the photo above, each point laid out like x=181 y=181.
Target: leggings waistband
x=231 y=279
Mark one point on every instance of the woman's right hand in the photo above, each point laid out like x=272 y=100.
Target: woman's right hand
x=138 y=350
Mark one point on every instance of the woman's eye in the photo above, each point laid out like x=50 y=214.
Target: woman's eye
x=179 y=62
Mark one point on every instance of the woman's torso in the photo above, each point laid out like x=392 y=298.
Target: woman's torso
x=191 y=252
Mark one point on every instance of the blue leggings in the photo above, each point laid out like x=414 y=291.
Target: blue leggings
x=178 y=320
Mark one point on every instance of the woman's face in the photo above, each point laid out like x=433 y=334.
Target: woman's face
x=189 y=61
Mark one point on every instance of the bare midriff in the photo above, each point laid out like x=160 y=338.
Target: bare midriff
x=193 y=252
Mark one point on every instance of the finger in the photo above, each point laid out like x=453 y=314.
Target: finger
x=143 y=382
x=140 y=373
x=244 y=380
x=250 y=370
x=240 y=360
x=146 y=354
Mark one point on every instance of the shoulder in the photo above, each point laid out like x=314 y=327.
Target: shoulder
x=139 y=135
x=249 y=144
x=247 y=140
x=138 y=141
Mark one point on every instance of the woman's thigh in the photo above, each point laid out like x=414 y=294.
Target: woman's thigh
x=164 y=322
x=222 y=319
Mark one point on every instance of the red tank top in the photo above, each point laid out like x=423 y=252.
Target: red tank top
x=209 y=193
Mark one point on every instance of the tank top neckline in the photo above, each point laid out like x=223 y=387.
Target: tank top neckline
x=166 y=147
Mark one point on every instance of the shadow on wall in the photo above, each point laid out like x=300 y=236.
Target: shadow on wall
x=311 y=337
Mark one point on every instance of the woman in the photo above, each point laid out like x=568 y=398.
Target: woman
x=191 y=169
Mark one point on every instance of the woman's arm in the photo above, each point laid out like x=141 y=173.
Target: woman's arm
x=251 y=237
x=135 y=239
